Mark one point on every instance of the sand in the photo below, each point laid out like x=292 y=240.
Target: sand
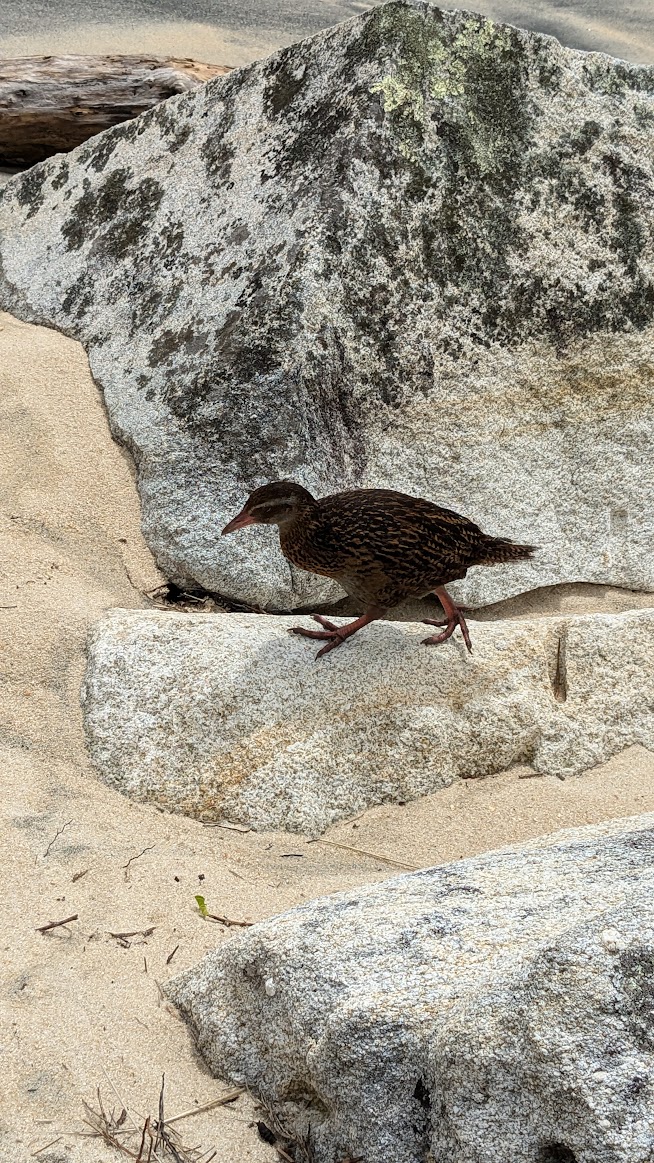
x=82 y=1010
x=176 y=38
x=625 y=31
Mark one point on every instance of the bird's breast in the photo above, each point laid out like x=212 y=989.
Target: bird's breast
x=311 y=549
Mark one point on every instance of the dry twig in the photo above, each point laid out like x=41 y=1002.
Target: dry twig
x=108 y=1126
x=202 y=907
x=154 y=1140
x=56 y=836
x=231 y=1096
x=372 y=855
x=123 y=938
x=146 y=1130
x=56 y=924
x=228 y=827
x=35 y=1154
x=228 y=921
x=137 y=857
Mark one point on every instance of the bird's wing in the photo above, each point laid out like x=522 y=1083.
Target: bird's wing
x=382 y=523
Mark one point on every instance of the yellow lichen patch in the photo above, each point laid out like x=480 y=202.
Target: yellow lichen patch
x=431 y=69
x=395 y=94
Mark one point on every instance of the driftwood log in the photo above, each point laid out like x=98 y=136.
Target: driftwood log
x=52 y=104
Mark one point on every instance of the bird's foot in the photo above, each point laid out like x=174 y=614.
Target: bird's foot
x=333 y=634
x=451 y=623
x=446 y=621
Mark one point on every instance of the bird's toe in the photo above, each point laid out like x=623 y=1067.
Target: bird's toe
x=324 y=622
x=310 y=633
x=331 y=645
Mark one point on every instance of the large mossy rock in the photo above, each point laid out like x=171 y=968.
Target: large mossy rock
x=414 y=250
x=495 y=1010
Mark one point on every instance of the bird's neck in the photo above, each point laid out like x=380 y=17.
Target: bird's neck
x=301 y=529
x=307 y=510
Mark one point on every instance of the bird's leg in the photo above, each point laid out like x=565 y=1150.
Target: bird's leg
x=454 y=618
x=336 y=635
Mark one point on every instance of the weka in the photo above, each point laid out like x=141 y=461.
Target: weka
x=380 y=546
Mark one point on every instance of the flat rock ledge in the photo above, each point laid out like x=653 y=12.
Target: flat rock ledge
x=493 y=1010
x=230 y=715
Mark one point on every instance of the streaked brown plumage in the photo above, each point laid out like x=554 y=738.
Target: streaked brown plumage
x=379 y=545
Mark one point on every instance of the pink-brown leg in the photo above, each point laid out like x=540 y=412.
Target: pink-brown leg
x=454 y=618
x=336 y=635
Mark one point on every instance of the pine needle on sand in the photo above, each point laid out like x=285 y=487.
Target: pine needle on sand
x=150 y=1140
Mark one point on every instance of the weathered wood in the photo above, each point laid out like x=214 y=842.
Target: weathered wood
x=52 y=104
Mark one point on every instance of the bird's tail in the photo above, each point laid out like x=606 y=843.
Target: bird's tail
x=495 y=550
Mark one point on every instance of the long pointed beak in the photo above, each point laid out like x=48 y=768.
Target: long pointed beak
x=239 y=522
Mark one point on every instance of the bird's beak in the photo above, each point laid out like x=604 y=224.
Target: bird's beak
x=239 y=522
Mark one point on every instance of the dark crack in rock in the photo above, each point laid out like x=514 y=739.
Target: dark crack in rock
x=415 y=250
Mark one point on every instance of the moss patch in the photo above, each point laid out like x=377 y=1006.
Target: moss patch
x=459 y=107
x=287 y=79
x=114 y=214
x=217 y=152
x=61 y=177
x=30 y=191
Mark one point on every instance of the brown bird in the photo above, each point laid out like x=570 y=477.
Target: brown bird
x=380 y=546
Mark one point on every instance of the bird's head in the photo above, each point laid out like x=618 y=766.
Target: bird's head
x=275 y=504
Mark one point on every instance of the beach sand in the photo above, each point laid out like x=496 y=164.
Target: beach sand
x=177 y=38
x=80 y=1008
x=260 y=28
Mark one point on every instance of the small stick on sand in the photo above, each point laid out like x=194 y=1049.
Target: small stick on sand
x=231 y=1096
x=228 y=827
x=372 y=855
x=137 y=857
x=124 y=1107
x=204 y=912
x=56 y=924
x=123 y=938
x=161 y=1120
x=40 y=1151
x=56 y=837
x=135 y=933
x=228 y=921
x=146 y=1128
